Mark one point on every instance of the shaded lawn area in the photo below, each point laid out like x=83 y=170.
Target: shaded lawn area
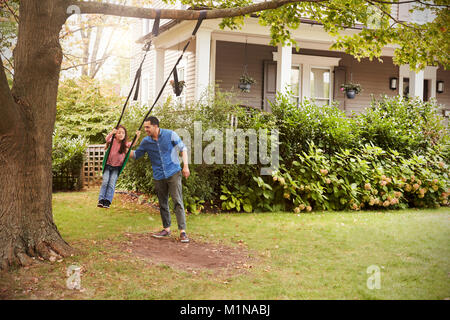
x=291 y=256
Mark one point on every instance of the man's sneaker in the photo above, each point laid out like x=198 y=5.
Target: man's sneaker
x=106 y=204
x=183 y=237
x=161 y=234
x=100 y=204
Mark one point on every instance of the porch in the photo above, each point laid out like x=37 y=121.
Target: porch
x=219 y=57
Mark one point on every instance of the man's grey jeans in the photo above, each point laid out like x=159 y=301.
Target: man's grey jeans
x=171 y=186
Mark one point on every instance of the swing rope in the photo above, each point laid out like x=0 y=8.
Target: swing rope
x=137 y=78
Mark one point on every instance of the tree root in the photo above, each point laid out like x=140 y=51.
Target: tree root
x=17 y=256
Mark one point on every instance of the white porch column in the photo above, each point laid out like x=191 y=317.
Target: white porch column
x=430 y=74
x=284 y=64
x=212 y=67
x=306 y=81
x=416 y=84
x=159 y=60
x=202 y=62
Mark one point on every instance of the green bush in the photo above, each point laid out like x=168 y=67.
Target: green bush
x=407 y=126
x=326 y=126
x=328 y=160
x=85 y=109
x=67 y=162
x=369 y=177
x=207 y=180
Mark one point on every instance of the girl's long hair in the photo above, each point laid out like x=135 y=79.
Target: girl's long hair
x=123 y=143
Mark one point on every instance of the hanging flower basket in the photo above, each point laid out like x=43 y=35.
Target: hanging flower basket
x=181 y=84
x=351 y=89
x=245 y=83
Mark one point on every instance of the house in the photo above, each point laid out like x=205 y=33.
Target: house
x=219 y=57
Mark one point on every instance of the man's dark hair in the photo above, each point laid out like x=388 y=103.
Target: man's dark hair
x=153 y=120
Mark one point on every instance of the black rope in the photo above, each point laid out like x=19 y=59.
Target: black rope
x=176 y=83
x=137 y=77
x=199 y=22
x=155 y=32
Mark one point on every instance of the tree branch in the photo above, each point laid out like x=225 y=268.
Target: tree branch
x=84 y=64
x=412 y=1
x=90 y=7
x=14 y=14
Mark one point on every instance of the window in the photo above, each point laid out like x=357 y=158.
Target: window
x=320 y=85
x=296 y=84
x=311 y=77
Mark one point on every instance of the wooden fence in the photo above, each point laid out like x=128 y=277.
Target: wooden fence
x=92 y=169
x=67 y=180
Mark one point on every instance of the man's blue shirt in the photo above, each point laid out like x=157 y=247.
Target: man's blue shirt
x=163 y=153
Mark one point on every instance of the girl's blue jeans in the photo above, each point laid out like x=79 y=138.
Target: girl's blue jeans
x=109 y=183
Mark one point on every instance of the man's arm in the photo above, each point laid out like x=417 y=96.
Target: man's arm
x=138 y=134
x=140 y=150
x=185 y=171
x=179 y=145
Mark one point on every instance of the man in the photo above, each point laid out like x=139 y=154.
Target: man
x=163 y=147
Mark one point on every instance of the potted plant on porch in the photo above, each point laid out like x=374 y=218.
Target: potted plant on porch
x=351 y=89
x=245 y=82
x=181 y=85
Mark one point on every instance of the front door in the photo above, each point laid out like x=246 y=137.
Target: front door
x=270 y=84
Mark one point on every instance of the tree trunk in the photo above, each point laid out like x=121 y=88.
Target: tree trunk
x=27 y=121
x=26 y=220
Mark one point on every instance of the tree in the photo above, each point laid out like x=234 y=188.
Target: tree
x=29 y=106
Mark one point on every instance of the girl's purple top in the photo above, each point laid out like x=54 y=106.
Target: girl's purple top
x=115 y=158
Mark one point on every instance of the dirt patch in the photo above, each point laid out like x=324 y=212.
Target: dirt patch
x=187 y=256
x=138 y=198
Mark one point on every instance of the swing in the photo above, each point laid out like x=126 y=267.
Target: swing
x=136 y=83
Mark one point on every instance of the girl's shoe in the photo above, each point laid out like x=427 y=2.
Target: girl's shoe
x=106 y=204
x=100 y=204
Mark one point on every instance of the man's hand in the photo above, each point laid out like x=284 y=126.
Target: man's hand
x=185 y=171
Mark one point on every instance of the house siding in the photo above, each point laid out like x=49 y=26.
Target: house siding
x=230 y=58
x=229 y=65
x=372 y=75
x=190 y=72
x=444 y=98
x=148 y=69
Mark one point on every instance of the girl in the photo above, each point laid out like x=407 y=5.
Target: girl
x=116 y=157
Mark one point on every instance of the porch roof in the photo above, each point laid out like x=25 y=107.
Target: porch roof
x=310 y=34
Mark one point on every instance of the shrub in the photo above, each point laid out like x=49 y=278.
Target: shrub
x=326 y=126
x=206 y=181
x=369 y=177
x=407 y=126
x=328 y=160
x=85 y=109
x=67 y=162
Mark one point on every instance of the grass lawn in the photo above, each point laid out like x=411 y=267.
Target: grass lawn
x=306 y=256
